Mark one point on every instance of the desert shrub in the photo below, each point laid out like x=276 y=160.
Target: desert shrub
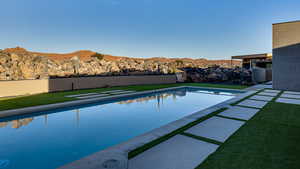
x=179 y=62
x=98 y=56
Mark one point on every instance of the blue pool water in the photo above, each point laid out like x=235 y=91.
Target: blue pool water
x=51 y=139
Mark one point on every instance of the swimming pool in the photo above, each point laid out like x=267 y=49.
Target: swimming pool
x=54 y=138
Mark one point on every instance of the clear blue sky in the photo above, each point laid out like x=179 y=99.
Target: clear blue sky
x=213 y=29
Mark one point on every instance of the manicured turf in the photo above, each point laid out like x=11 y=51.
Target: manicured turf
x=178 y=131
x=270 y=140
x=245 y=98
x=49 y=98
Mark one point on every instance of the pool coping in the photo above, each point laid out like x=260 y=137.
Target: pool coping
x=47 y=107
x=119 y=153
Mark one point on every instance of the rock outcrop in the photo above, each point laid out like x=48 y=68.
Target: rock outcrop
x=18 y=63
x=217 y=74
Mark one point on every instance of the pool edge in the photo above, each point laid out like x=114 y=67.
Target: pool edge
x=120 y=151
x=47 y=107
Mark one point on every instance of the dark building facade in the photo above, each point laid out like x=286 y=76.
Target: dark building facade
x=286 y=56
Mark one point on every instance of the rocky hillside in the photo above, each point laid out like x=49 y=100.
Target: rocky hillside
x=18 y=63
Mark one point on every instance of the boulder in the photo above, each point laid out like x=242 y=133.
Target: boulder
x=219 y=75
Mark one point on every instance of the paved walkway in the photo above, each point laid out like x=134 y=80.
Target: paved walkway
x=179 y=152
x=289 y=97
x=259 y=87
x=189 y=150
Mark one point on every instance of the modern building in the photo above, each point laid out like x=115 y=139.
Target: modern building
x=286 y=56
x=259 y=64
x=263 y=60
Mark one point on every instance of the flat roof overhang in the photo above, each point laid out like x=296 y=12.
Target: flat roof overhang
x=253 y=56
x=286 y=22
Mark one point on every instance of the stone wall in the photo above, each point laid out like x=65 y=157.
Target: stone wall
x=286 y=56
x=24 y=87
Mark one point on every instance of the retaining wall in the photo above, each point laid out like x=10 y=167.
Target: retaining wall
x=23 y=87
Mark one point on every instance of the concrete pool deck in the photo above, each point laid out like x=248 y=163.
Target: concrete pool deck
x=134 y=143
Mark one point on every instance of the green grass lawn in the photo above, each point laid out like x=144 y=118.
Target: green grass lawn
x=49 y=98
x=270 y=140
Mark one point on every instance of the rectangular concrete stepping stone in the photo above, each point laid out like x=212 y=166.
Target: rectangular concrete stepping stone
x=293 y=96
x=112 y=91
x=240 y=112
x=125 y=92
x=118 y=92
x=262 y=98
x=179 y=152
x=92 y=96
x=216 y=128
x=290 y=92
x=289 y=101
x=253 y=103
x=272 y=91
x=78 y=95
x=267 y=94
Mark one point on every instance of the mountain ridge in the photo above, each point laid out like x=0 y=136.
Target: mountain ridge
x=87 y=55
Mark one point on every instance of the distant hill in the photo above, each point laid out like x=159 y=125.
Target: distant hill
x=86 y=55
x=82 y=54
